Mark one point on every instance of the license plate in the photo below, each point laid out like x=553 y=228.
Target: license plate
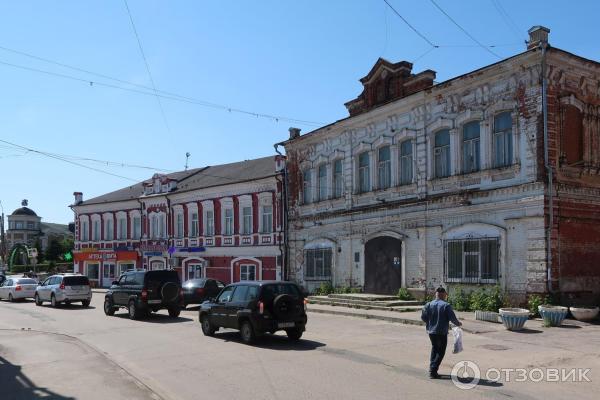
x=286 y=325
x=154 y=301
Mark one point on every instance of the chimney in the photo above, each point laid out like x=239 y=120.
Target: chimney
x=294 y=133
x=78 y=198
x=537 y=34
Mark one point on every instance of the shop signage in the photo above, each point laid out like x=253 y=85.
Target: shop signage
x=153 y=247
x=191 y=249
x=153 y=254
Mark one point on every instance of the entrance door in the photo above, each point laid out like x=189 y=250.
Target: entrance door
x=383 y=265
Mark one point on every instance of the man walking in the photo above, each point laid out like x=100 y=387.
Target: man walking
x=437 y=314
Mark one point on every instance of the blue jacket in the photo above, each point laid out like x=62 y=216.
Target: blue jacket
x=437 y=314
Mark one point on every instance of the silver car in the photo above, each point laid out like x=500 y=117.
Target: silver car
x=64 y=288
x=17 y=288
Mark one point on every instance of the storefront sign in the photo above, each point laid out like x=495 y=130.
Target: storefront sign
x=95 y=256
x=153 y=254
x=154 y=247
x=191 y=249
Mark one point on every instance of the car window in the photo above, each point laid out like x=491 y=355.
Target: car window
x=240 y=294
x=130 y=279
x=225 y=295
x=252 y=293
x=9 y=282
x=76 y=280
x=52 y=281
x=269 y=292
x=27 y=281
x=122 y=279
x=220 y=285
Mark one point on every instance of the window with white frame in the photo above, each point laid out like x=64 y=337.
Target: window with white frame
x=228 y=225
x=96 y=230
x=472 y=260
x=384 y=168
x=307 y=186
x=194 y=225
x=194 y=271
x=84 y=230
x=137 y=227
x=162 y=232
x=441 y=154
x=503 y=143
x=124 y=267
x=267 y=219
x=322 y=192
x=247 y=272
x=406 y=162
x=470 y=147
x=209 y=218
x=179 y=225
x=338 y=179
x=122 y=228
x=93 y=271
x=246 y=220
x=108 y=271
x=154 y=226
x=108 y=229
x=317 y=263
x=364 y=172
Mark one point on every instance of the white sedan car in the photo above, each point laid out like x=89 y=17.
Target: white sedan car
x=18 y=288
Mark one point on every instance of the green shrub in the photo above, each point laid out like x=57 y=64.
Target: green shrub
x=486 y=299
x=404 y=294
x=459 y=299
x=325 y=289
x=536 y=300
x=356 y=290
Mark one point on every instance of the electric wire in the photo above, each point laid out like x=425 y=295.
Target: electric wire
x=510 y=23
x=422 y=36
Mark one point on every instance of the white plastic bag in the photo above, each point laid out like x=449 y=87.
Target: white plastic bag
x=458 y=346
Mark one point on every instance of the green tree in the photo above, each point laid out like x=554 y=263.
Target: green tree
x=54 y=250
x=38 y=246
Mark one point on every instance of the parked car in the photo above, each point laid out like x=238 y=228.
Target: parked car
x=64 y=288
x=142 y=292
x=17 y=288
x=256 y=308
x=196 y=291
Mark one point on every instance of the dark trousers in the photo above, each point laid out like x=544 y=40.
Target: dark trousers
x=438 y=350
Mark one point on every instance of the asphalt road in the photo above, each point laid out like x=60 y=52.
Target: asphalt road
x=77 y=353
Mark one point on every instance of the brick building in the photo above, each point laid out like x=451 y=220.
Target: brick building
x=467 y=181
x=222 y=222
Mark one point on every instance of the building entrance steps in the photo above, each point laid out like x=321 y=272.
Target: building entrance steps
x=367 y=302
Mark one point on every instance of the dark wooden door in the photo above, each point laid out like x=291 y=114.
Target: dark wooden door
x=383 y=265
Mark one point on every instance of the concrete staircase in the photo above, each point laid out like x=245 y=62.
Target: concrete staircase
x=367 y=301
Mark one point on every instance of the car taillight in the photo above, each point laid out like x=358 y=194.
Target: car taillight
x=144 y=295
x=305 y=304
x=18 y=287
x=261 y=307
x=181 y=292
x=62 y=286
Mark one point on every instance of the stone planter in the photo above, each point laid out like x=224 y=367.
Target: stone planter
x=584 y=313
x=553 y=315
x=514 y=318
x=488 y=316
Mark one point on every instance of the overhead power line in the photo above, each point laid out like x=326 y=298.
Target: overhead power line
x=510 y=23
x=410 y=26
x=139 y=42
x=486 y=48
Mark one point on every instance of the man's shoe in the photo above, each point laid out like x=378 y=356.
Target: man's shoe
x=434 y=375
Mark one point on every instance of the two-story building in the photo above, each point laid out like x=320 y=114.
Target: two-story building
x=223 y=222
x=492 y=177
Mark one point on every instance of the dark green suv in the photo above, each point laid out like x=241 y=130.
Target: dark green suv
x=255 y=308
x=142 y=292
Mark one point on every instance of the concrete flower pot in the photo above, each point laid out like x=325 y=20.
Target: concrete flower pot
x=514 y=318
x=584 y=313
x=553 y=315
x=488 y=316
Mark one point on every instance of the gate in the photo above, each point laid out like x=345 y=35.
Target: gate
x=383 y=265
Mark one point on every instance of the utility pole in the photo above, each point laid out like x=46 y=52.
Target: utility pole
x=2 y=239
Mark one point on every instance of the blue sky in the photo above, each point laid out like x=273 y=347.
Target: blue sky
x=298 y=59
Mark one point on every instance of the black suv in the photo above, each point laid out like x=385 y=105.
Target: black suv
x=256 y=308
x=145 y=291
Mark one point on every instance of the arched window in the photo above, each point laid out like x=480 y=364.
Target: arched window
x=441 y=154
x=364 y=181
x=471 y=147
x=572 y=134
x=384 y=169
x=406 y=162
x=503 y=142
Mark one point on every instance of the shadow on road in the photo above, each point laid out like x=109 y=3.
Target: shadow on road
x=482 y=382
x=14 y=385
x=157 y=318
x=528 y=331
x=272 y=342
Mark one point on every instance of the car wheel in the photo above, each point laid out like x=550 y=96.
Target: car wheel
x=85 y=303
x=53 y=301
x=174 y=312
x=207 y=328
x=294 y=334
x=109 y=308
x=67 y=302
x=133 y=310
x=10 y=298
x=38 y=301
x=247 y=332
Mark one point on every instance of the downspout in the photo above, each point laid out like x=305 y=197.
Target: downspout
x=284 y=210
x=544 y=46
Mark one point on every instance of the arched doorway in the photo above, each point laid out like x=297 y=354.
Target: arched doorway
x=383 y=265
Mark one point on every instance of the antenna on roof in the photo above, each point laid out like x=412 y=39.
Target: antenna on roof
x=187 y=157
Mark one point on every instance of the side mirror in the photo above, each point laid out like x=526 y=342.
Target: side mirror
x=115 y=283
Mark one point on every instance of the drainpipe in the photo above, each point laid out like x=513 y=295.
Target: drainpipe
x=284 y=210
x=543 y=46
